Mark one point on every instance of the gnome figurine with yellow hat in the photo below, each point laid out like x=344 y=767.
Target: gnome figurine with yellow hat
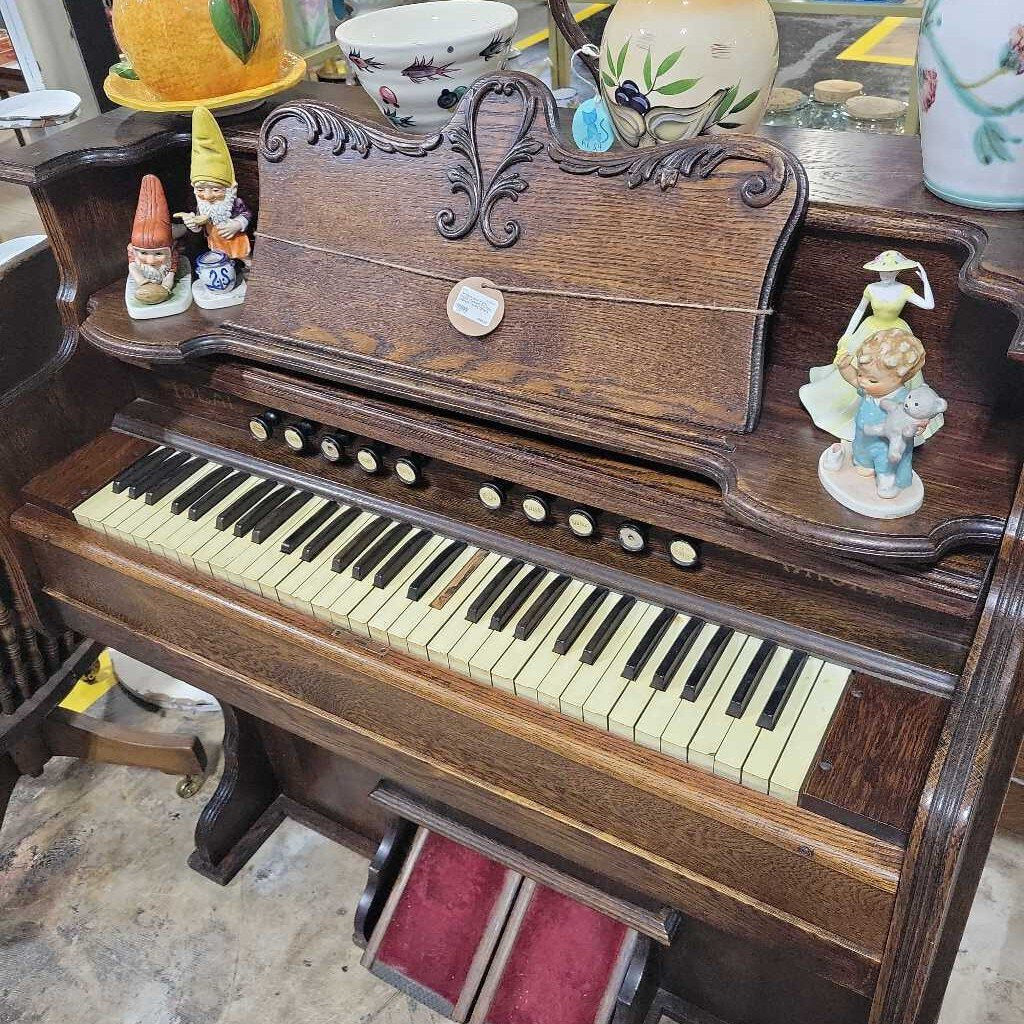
x=157 y=286
x=220 y=214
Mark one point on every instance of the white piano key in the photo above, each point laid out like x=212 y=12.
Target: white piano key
x=521 y=653
x=664 y=703
x=609 y=687
x=498 y=643
x=708 y=738
x=360 y=616
x=160 y=539
x=193 y=534
x=689 y=714
x=639 y=692
x=307 y=579
x=805 y=739
x=770 y=743
x=148 y=518
x=440 y=628
x=556 y=671
x=250 y=565
x=476 y=634
x=400 y=615
x=528 y=676
x=575 y=695
x=743 y=732
x=91 y=512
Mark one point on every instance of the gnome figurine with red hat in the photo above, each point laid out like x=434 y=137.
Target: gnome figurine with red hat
x=157 y=285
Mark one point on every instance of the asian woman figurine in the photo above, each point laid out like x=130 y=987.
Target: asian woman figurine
x=828 y=397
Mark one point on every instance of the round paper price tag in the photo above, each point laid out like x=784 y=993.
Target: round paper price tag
x=475 y=306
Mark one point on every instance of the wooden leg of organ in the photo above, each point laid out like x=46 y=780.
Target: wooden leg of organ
x=244 y=810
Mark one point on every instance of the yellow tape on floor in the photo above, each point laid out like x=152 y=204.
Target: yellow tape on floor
x=91 y=687
x=891 y=41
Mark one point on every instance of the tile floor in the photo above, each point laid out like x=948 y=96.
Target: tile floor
x=101 y=920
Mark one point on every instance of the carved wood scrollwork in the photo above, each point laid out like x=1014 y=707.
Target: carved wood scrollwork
x=696 y=159
x=505 y=183
x=328 y=124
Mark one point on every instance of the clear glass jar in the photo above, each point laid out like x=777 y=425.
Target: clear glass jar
x=876 y=114
x=827 y=105
x=787 y=108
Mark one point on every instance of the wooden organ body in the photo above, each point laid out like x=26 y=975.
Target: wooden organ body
x=779 y=857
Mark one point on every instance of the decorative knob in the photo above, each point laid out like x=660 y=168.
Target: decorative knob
x=407 y=469
x=262 y=427
x=683 y=552
x=299 y=436
x=332 y=446
x=582 y=523
x=536 y=508
x=633 y=538
x=369 y=459
x=492 y=496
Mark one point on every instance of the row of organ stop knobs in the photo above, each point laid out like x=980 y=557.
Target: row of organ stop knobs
x=304 y=438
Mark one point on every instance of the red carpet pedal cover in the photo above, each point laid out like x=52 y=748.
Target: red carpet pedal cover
x=441 y=924
x=558 y=962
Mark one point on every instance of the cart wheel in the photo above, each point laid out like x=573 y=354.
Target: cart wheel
x=189 y=786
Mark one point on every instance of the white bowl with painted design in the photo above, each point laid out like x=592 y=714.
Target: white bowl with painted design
x=417 y=62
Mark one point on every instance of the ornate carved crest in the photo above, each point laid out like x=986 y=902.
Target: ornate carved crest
x=505 y=183
x=667 y=166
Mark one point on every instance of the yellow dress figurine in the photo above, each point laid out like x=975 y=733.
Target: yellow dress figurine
x=831 y=401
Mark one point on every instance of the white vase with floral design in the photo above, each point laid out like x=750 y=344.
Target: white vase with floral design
x=971 y=79
x=672 y=69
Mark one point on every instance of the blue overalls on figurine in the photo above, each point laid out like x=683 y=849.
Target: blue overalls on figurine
x=872 y=452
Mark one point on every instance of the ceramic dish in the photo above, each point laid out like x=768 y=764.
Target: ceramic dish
x=417 y=62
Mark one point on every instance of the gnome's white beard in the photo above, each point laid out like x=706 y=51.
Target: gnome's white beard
x=153 y=273
x=220 y=211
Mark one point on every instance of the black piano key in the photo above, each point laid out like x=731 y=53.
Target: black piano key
x=608 y=628
x=160 y=472
x=779 y=696
x=216 y=495
x=532 y=619
x=376 y=553
x=261 y=510
x=334 y=529
x=751 y=677
x=642 y=654
x=501 y=579
x=308 y=528
x=178 y=477
x=202 y=486
x=706 y=663
x=516 y=598
x=128 y=476
x=238 y=508
x=676 y=654
x=280 y=516
x=386 y=574
x=437 y=567
x=586 y=611
x=362 y=540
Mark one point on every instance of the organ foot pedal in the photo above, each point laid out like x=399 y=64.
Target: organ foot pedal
x=481 y=942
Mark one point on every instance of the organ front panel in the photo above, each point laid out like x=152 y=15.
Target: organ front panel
x=590 y=616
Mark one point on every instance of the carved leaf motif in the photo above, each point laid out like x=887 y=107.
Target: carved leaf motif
x=505 y=182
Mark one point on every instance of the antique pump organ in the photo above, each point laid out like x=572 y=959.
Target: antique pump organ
x=567 y=594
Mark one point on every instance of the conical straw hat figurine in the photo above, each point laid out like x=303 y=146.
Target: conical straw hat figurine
x=158 y=283
x=220 y=215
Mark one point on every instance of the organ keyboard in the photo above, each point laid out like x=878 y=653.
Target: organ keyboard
x=569 y=594
x=744 y=708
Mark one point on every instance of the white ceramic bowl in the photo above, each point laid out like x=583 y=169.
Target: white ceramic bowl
x=417 y=62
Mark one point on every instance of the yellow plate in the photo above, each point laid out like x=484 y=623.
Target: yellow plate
x=130 y=92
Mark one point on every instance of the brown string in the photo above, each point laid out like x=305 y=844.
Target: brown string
x=518 y=289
